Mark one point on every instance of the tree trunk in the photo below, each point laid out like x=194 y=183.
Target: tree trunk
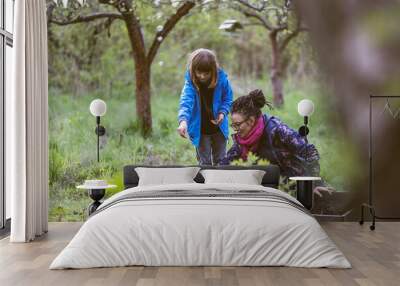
x=142 y=74
x=143 y=98
x=276 y=73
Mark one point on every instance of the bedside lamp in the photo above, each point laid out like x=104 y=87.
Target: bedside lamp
x=305 y=108
x=304 y=189
x=98 y=108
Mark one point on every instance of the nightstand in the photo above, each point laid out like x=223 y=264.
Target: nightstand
x=96 y=193
x=304 y=191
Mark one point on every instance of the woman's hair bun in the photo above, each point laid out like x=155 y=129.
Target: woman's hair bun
x=250 y=104
x=257 y=97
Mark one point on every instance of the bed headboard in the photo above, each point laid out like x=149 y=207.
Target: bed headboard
x=270 y=179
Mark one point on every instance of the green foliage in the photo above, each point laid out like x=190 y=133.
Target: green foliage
x=88 y=61
x=55 y=162
x=115 y=179
x=58 y=213
x=252 y=159
x=87 y=58
x=73 y=142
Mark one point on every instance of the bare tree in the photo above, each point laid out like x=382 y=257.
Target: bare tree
x=74 y=11
x=277 y=17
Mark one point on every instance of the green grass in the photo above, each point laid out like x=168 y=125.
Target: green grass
x=73 y=141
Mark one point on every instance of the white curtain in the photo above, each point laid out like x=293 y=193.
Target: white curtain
x=27 y=124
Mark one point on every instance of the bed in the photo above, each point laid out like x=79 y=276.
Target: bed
x=201 y=224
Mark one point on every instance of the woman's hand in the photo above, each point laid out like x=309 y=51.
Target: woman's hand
x=219 y=119
x=182 y=129
x=320 y=190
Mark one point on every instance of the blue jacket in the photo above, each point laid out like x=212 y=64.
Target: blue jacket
x=189 y=105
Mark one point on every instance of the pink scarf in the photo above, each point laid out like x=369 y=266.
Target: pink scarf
x=250 y=142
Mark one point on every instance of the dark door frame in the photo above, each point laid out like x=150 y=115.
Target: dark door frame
x=6 y=39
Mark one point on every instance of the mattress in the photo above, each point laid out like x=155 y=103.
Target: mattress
x=201 y=225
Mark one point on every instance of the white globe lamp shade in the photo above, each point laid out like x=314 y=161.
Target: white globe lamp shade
x=98 y=107
x=305 y=107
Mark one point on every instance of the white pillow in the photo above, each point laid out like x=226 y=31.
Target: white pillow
x=162 y=176
x=249 y=177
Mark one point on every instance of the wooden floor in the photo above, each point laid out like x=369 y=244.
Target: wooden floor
x=375 y=257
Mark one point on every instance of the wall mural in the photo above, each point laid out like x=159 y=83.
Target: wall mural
x=187 y=84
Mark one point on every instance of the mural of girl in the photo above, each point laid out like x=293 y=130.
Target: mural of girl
x=205 y=102
x=269 y=138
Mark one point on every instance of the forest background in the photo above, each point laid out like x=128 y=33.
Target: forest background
x=94 y=59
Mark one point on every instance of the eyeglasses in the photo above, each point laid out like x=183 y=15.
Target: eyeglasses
x=236 y=126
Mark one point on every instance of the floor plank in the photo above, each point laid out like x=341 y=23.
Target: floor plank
x=374 y=255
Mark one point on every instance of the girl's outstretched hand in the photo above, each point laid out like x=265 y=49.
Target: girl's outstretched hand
x=218 y=120
x=182 y=129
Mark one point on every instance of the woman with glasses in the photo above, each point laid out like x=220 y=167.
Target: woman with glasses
x=269 y=138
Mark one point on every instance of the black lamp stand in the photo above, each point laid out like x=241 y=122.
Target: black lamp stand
x=304 y=187
x=303 y=131
x=100 y=131
x=370 y=205
x=96 y=195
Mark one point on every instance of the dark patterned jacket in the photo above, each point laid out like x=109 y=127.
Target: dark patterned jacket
x=284 y=147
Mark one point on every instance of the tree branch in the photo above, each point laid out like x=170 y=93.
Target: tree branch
x=290 y=37
x=252 y=24
x=256 y=12
x=123 y=6
x=168 y=26
x=136 y=37
x=253 y=7
x=264 y=22
x=86 y=18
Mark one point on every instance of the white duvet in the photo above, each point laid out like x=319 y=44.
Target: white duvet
x=200 y=231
